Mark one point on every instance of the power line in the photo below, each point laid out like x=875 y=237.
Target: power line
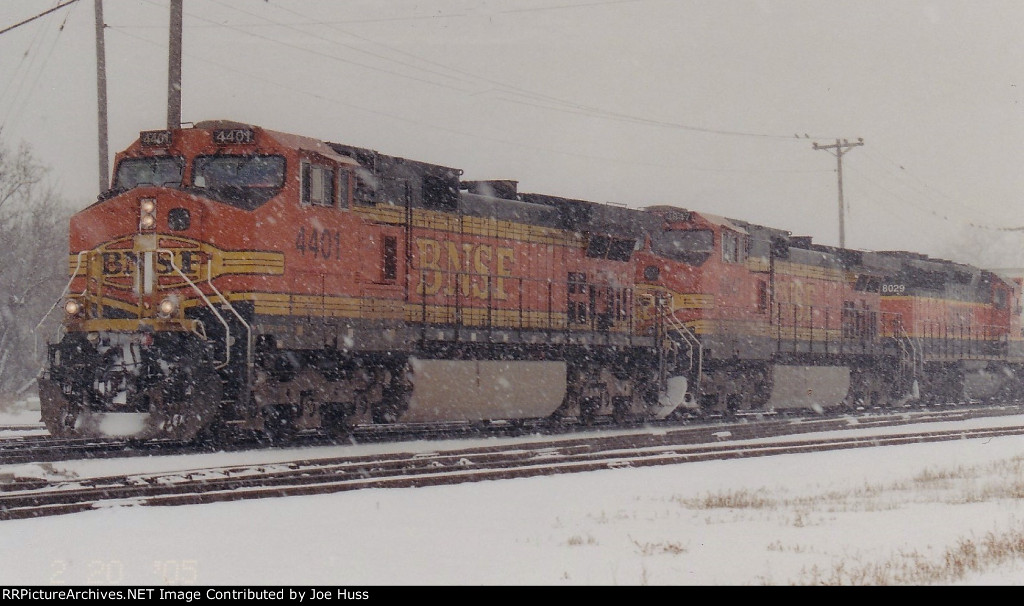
x=31 y=19
x=205 y=59
x=554 y=103
x=21 y=79
x=927 y=208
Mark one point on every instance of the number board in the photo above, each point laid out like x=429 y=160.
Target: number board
x=234 y=136
x=155 y=138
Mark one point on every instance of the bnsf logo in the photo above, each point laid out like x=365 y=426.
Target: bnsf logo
x=125 y=263
x=467 y=269
x=893 y=289
x=121 y=262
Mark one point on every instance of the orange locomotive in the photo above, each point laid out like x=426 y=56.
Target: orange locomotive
x=238 y=277
x=764 y=321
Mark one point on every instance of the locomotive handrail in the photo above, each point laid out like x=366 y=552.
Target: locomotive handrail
x=249 y=353
x=74 y=274
x=202 y=295
x=971 y=340
x=691 y=341
x=915 y=355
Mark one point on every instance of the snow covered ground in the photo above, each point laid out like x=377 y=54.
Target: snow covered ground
x=947 y=513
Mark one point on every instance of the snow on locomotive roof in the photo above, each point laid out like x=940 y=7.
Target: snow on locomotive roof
x=286 y=139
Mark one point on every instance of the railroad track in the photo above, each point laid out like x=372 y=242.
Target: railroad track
x=22 y=428
x=35 y=497
x=45 y=449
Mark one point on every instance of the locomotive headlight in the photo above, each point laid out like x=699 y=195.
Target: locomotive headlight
x=167 y=308
x=147 y=214
x=72 y=307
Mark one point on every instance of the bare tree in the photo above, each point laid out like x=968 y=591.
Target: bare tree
x=33 y=263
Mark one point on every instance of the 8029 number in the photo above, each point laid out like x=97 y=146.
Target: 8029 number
x=325 y=244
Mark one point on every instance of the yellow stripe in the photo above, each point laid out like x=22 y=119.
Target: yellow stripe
x=476 y=226
x=935 y=301
x=800 y=270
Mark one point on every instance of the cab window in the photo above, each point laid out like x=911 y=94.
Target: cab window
x=689 y=246
x=158 y=170
x=244 y=181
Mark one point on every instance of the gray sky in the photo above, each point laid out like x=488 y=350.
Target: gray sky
x=711 y=105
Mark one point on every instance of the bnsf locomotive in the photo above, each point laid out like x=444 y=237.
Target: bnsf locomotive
x=238 y=277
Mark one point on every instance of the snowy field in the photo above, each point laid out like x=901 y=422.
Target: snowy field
x=949 y=513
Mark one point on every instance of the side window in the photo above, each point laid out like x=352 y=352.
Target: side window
x=728 y=247
x=317 y=185
x=343 y=188
x=733 y=247
x=1000 y=299
x=577 y=283
x=577 y=306
x=365 y=192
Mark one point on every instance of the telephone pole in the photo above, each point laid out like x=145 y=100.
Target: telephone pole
x=174 y=67
x=101 y=98
x=840 y=147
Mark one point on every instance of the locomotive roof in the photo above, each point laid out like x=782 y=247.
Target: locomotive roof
x=721 y=221
x=285 y=139
x=309 y=144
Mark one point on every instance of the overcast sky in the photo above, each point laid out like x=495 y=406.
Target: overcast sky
x=711 y=105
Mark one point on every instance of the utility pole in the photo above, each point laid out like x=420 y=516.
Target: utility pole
x=840 y=147
x=101 y=98
x=174 y=67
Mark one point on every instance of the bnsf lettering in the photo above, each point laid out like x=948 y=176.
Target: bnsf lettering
x=325 y=244
x=116 y=263
x=449 y=268
x=893 y=289
x=125 y=263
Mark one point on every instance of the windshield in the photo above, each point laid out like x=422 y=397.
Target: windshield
x=691 y=246
x=242 y=181
x=161 y=170
x=238 y=171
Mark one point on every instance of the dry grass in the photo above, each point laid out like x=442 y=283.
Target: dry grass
x=731 y=499
x=649 y=549
x=912 y=568
x=577 y=541
x=996 y=481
